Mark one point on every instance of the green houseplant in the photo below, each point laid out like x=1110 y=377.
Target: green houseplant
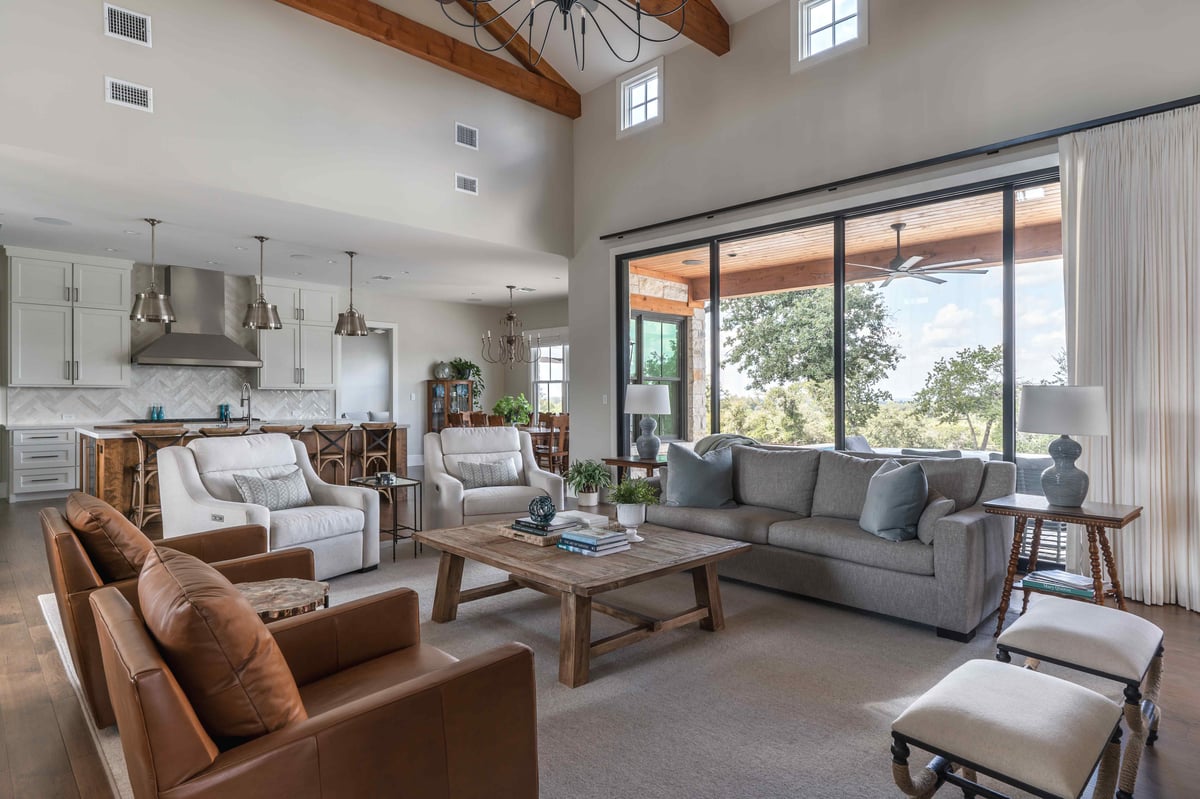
x=515 y=410
x=587 y=478
x=469 y=370
x=631 y=498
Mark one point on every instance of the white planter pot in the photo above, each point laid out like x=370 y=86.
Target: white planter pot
x=631 y=517
x=589 y=498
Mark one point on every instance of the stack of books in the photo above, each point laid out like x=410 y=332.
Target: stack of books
x=594 y=543
x=1058 y=581
x=526 y=524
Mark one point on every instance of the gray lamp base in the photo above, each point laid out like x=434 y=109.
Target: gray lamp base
x=1062 y=483
x=648 y=444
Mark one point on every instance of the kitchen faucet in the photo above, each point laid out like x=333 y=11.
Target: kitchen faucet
x=245 y=402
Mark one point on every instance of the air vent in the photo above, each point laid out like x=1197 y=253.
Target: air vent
x=130 y=95
x=466 y=184
x=121 y=23
x=466 y=136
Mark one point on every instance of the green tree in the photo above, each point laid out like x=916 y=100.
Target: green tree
x=779 y=339
x=782 y=415
x=968 y=387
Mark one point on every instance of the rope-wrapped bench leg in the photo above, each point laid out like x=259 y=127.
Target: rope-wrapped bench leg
x=1110 y=765
x=1137 y=707
x=1153 y=684
x=923 y=786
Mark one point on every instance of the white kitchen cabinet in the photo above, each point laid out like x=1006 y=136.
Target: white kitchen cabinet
x=287 y=300
x=40 y=345
x=296 y=356
x=99 y=286
x=309 y=306
x=101 y=347
x=316 y=357
x=41 y=281
x=41 y=461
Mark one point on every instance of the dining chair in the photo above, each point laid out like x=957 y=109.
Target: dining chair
x=554 y=454
x=496 y=420
x=479 y=419
x=458 y=420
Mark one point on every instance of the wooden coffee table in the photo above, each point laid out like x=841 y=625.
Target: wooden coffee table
x=577 y=580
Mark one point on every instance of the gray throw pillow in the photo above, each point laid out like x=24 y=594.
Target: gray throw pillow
x=491 y=473
x=936 y=508
x=278 y=493
x=895 y=499
x=700 y=481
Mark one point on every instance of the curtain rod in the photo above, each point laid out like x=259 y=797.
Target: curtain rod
x=987 y=149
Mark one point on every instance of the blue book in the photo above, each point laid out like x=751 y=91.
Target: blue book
x=594 y=538
x=591 y=553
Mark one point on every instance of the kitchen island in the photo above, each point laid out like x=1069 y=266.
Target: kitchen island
x=108 y=452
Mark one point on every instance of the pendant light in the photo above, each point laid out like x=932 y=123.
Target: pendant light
x=149 y=305
x=350 y=321
x=260 y=314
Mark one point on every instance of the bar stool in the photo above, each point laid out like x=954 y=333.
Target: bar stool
x=145 y=472
x=333 y=449
x=218 y=432
x=377 y=445
x=1103 y=641
x=290 y=430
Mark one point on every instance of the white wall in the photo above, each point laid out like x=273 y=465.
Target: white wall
x=259 y=98
x=938 y=76
x=365 y=378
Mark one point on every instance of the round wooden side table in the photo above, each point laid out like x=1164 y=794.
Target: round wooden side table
x=285 y=597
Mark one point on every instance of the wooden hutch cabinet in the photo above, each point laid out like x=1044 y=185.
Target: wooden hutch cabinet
x=443 y=397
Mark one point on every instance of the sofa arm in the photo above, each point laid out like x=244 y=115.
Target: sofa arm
x=470 y=731
x=446 y=508
x=317 y=645
x=549 y=482
x=225 y=543
x=187 y=505
x=970 y=561
x=296 y=562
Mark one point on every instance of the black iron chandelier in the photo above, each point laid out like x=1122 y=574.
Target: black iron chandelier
x=594 y=10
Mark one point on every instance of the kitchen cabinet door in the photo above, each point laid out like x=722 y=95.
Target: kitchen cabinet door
x=101 y=347
x=280 y=353
x=316 y=356
x=39 y=339
x=286 y=298
x=105 y=287
x=318 y=307
x=43 y=282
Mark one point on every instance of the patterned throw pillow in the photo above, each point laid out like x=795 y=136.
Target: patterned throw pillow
x=280 y=493
x=493 y=473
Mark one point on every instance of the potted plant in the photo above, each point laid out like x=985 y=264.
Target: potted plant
x=587 y=478
x=515 y=410
x=631 y=498
x=469 y=370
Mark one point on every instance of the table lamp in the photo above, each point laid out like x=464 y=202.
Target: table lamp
x=648 y=401
x=1061 y=411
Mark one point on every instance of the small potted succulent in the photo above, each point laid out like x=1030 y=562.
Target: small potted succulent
x=587 y=478
x=515 y=410
x=631 y=498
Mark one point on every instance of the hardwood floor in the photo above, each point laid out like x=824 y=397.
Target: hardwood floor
x=46 y=749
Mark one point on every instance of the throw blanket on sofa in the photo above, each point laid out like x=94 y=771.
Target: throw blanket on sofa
x=722 y=441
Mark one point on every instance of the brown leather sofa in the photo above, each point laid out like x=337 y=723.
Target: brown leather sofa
x=387 y=716
x=240 y=553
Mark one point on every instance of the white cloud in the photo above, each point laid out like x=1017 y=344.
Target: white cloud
x=947 y=325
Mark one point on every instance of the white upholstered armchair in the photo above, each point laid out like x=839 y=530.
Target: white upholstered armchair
x=452 y=456
x=198 y=492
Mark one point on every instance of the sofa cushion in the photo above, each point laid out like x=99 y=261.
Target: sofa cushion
x=741 y=523
x=842 y=482
x=956 y=478
x=895 y=499
x=700 y=481
x=268 y=455
x=481 y=474
x=475 y=440
x=936 y=508
x=226 y=661
x=842 y=539
x=115 y=545
x=775 y=478
x=294 y=526
x=499 y=499
x=289 y=490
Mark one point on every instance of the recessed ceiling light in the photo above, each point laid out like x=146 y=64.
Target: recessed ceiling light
x=133 y=232
x=557 y=277
x=50 y=220
x=331 y=261
x=299 y=256
x=384 y=277
x=298 y=274
x=243 y=249
x=214 y=263
x=731 y=255
x=111 y=249
x=526 y=289
x=692 y=262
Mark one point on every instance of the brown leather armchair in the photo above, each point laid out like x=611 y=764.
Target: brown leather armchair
x=240 y=553
x=387 y=715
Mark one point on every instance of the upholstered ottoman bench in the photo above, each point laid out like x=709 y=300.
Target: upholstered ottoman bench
x=1103 y=641
x=1032 y=731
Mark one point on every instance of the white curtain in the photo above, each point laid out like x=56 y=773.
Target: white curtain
x=1131 y=229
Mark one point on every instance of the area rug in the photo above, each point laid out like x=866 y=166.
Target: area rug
x=794 y=699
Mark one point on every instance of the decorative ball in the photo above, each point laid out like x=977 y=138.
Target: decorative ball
x=542 y=510
x=442 y=371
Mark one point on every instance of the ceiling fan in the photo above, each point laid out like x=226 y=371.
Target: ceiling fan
x=907 y=267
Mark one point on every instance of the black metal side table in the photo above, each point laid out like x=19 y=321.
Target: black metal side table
x=393 y=487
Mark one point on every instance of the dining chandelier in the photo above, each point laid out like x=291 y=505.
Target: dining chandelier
x=485 y=17
x=512 y=346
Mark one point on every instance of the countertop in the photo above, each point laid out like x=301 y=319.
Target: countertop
x=119 y=430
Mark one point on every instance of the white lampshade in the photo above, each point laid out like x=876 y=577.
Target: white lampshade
x=1063 y=410
x=647 y=400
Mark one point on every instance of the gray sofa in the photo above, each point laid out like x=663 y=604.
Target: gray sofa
x=799 y=509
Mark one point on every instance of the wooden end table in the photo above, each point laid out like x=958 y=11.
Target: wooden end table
x=576 y=580
x=1096 y=517
x=626 y=462
x=284 y=597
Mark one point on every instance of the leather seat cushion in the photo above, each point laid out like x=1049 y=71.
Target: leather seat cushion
x=116 y=546
x=295 y=526
x=843 y=539
x=499 y=499
x=372 y=676
x=223 y=656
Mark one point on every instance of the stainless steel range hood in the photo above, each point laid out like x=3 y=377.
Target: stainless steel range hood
x=197 y=336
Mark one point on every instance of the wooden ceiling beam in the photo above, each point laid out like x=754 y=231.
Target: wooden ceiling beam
x=1033 y=243
x=699 y=20
x=517 y=46
x=387 y=27
x=640 y=302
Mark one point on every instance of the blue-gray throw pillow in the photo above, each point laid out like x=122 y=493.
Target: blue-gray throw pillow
x=896 y=497
x=274 y=493
x=700 y=481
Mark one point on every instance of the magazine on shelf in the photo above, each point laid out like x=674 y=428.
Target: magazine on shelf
x=1056 y=588
x=1064 y=578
